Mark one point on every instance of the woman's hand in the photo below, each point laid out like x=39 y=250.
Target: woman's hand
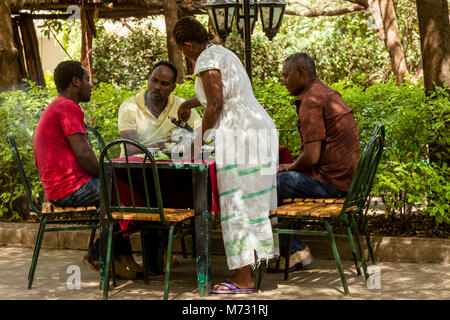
x=184 y=111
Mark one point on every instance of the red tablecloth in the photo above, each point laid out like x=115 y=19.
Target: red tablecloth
x=125 y=196
x=284 y=155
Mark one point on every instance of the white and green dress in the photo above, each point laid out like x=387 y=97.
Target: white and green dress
x=246 y=143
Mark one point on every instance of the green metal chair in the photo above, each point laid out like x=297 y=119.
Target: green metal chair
x=318 y=212
x=67 y=219
x=140 y=200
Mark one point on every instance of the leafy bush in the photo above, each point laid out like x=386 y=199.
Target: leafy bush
x=406 y=180
x=19 y=113
x=134 y=55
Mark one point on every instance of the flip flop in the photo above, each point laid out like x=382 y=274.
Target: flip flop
x=233 y=289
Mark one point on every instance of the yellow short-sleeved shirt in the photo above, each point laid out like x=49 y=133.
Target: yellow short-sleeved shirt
x=134 y=115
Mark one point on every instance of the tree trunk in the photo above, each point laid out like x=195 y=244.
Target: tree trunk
x=31 y=50
x=434 y=29
x=9 y=68
x=392 y=40
x=170 y=10
x=87 y=33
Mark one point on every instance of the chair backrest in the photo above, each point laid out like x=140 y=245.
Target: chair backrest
x=32 y=201
x=132 y=187
x=365 y=172
x=100 y=143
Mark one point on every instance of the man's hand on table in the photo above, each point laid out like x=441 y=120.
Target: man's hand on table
x=283 y=167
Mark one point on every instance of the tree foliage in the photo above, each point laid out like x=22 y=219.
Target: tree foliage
x=128 y=59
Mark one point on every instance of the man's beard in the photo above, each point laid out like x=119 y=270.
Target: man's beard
x=85 y=98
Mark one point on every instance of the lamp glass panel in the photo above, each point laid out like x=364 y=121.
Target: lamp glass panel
x=252 y=15
x=265 y=17
x=230 y=18
x=276 y=16
x=211 y=17
x=241 y=17
x=220 y=15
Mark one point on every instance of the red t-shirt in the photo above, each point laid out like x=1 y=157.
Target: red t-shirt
x=60 y=172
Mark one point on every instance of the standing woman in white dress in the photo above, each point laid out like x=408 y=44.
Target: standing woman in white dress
x=246 y=146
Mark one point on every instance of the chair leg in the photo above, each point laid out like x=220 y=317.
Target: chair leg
x=168 y=263
x=288 y=258
x=107 y=262
x=35 y=246
x=369 y=244
x=91 y=239
x=193 y=241
x=160 y=251
x=37 y=249
x=261 y=270
x=113 y=262
x=183 y=247
x=144 y=255
x=352 y=246
x=337 y=258
x=359 y=245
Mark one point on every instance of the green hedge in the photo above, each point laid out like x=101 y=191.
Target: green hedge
x=405 y=180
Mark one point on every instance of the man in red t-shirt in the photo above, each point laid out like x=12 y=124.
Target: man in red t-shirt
x=68 y=168
x=329 y=151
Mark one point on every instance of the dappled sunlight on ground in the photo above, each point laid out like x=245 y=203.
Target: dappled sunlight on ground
x=319 y=280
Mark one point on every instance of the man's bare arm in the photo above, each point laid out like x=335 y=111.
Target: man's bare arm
x=83 y=153
x=307 y=159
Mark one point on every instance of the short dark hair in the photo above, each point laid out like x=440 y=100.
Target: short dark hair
x=64 y=73
x=303 y=60
x=167 y=64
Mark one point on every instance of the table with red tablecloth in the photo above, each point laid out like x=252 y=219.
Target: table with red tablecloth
x=183 y=185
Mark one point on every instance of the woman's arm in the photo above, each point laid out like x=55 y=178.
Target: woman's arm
x=184 y=110
x=212 y=85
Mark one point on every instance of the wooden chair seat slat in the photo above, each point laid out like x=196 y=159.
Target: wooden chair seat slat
x=49 y=208
x=323 y=208
x=171 y=215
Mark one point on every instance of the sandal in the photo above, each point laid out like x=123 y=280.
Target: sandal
x=232 y=289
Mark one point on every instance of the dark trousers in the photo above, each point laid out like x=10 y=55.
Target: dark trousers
x=89 y=195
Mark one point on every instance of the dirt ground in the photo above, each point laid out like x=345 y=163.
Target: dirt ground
x=54 y=280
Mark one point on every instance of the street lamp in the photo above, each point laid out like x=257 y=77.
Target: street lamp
x=221 y=11
x=271 y=15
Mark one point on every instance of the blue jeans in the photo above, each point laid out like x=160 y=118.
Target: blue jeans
x=89 y=195
x=294 y=184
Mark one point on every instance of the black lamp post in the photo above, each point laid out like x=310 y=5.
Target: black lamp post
x=221 y=14
x=240 y=17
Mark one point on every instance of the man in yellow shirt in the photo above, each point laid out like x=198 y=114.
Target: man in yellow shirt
x=145 y=117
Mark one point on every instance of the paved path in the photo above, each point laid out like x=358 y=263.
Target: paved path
x=319 y=281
